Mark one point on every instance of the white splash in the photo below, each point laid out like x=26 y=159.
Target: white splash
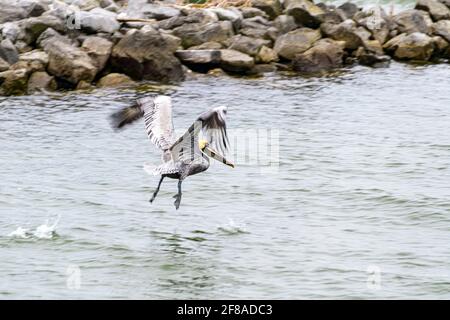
x=232 y=228
x=44 y=231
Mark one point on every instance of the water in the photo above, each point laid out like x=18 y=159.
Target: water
x=361 y=193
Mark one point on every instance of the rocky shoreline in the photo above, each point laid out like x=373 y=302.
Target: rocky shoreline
x=48 y=45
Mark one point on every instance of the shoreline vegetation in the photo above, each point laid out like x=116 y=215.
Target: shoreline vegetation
x=48 y=45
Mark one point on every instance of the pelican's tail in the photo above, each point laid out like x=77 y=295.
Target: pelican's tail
x=165 y=168
x=126 y=116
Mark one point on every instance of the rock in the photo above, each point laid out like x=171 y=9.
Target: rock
x=235 y=61
x=441 y=47
x=260 y=33
x=325 y=55
x=41 y=80
x=49 y=36
x=3 y=65
x=84 y=85
x=36 y=60
x=266 y=55
x=375 y=20
x=248 y=45
x=85 y=5
x=349 y=9
x=410 y=21
x=199 y=60
x=285 y=23
x=200 y=17
x=347 y=31
x=271 y=7
x=211 y=45
x=98 y=20
x=32 y=28
x=305 y=13
x=263 y=68
x=113 y=80
x=445 y=2
x=10 y=31
x=295 y=42
x=11 y=12
x=155 y=11
x=250 y=12
x=148 y=54
x=193 y=34
x=437 y=10
x=98 y=49
x=70 y=63
x=8 y=51
x=14 y=83
x=229 y=14
x=414 y=46
x=442 y=28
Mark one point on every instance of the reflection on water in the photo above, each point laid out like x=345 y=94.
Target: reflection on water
x=362 y=184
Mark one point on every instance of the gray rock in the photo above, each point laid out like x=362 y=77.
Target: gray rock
x=235 y=61
x=98 y=20
x=437 y=10
x=50 y=35
x=285 y=23
x=194 y=34
x=412 y=20
x=349 y=9
x=414 y=46
x=148 y=54
x=376 y=21
x=85 y=5
x=11 y=12
x=41 y=80
x=8 y=51
x=325 y=55
x=211 y=45
x=35 y=60
x=250 y=12
x=114 y=80
x=250 y=46
x=229 y=14
x=10 y=31
x=32 y=28
x=305 y=13
x=266 y=55
x=70 y=63
x=98 y=49
x=192 y=16
x=200 y=60
x=295 y=42
x=155 y=11
x=348 y=32
x=272 y=8
x=442 y=28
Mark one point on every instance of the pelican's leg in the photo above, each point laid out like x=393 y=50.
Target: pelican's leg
x=178 y=195
x=157 y=189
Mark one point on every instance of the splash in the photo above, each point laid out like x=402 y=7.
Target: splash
x=232 y=228
x=44 y=231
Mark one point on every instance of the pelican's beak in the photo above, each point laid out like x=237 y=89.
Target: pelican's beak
x=213 y=154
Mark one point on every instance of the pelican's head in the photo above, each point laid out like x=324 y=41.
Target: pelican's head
x=206 y=149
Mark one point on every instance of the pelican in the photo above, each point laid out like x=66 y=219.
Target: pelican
x=187 y=155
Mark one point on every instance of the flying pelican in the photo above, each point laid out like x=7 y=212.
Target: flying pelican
x=187 y=155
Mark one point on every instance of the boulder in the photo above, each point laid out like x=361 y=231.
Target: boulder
x=10 y=31
x=8 y=51
x=148 y=54
x=98 y=20
x=263 y=68
x=250 y=12
x=412 y=20
x=32 y=28
x=414 y=46
x=152 y=11
x=248 y=45
x=442 y=28
x=3 y=65
x=437 y=10
x=325 y=55
x=10 y=11
x=200 y=17
x=98 y=49
x=113 y=80
x=272 y=8
x=14 y=82
x=295 y=42
x=194 y=34
x=41 y=80
x=349 y=9
x=285 y=23
x=348 y=32
x=211 y=45
x=35 y=60
x=372 y=60
x=85 y=5
x=199 y=60
x=49 y=36
x=235 y=61
x=229 y=14
x=266 y=55
x=305 y=13
x=70 y=63
x=441 y=47
x=376 y=21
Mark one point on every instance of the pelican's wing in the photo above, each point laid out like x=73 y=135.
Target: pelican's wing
x=157 y=113
x=211 y=126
